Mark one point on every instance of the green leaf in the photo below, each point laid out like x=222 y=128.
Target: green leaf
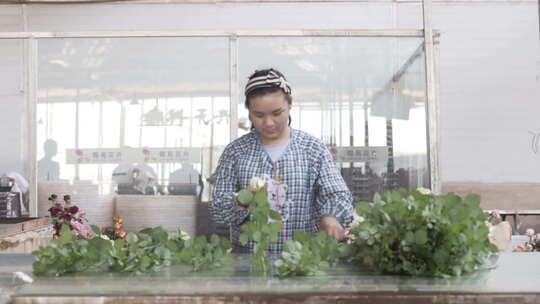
x=275 y=227
x=274 y=215
x=261 y=198
x=420 y=237
x=243 y=239
x=257 y=236
x=95 y=229
x=67 y=236
x=132 y=238
x=245 y=196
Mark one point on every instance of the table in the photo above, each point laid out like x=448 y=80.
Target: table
x=514 y=277
x=515 y=216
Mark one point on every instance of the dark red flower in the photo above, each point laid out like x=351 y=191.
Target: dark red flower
x=73 y=209
x=67 y=198
x=66 y=217
x=54 y=196
x=55 y=210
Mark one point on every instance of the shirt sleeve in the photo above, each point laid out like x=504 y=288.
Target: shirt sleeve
x=222 y=208
x=333 y=196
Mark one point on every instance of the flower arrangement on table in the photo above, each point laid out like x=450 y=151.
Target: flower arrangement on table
x=533 y=244
x=115 y=232
x=65 y=213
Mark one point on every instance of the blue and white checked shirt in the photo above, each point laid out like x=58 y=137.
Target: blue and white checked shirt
x=315 y=186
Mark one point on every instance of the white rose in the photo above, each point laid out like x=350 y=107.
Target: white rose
x=255 y=184
x=424 y=191
x=184 y=236
x=357 y=219
x=529 y=232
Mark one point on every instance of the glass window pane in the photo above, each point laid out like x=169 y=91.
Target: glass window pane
x=362 y=95
x=14 y=135
x=136 y=102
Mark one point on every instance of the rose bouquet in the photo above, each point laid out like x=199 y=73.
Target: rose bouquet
x=65 y=213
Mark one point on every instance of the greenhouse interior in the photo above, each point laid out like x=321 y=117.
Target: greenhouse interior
x=269 y=151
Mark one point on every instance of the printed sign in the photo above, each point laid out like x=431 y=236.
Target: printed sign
x=170 y=155
x=359 y=154
x=133 y=155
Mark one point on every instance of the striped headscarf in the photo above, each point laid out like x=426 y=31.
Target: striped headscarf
x=272 y=79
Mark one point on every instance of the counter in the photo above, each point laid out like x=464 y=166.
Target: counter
x=514 y=277
x=24 y=235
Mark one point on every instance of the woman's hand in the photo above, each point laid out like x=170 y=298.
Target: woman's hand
x=333 y=228
x=238 y=204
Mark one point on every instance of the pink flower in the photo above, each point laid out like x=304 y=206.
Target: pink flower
x=79 y=214
x=81 y=229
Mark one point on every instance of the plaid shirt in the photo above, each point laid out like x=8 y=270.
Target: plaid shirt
x=315 y=186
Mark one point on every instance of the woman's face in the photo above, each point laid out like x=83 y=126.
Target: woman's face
x=269 y=114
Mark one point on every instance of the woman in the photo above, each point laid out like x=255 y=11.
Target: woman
x=316 y=195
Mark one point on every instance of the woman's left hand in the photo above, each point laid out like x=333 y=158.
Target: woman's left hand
x=333 y=228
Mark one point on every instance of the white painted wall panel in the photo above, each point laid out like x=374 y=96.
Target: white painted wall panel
x=211 y=16
x=490 y=98
x=409 y=16
x=10 y=18
x=11 y=106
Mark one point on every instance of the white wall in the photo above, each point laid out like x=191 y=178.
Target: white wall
x=488 y=53
x=490 y=97
x=12 y=122
x=211 y=16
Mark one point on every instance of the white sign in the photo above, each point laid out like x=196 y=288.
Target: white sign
x=96 y=156
x=133 y=155
x=170 y=155
x=359 y=154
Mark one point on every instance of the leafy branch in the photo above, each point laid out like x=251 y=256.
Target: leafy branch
x=138 y=253
x=203 y=254
x=422 y=234
x=308 y=255
x=263 y=227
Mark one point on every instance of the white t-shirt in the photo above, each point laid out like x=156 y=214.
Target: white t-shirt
x=276 y=150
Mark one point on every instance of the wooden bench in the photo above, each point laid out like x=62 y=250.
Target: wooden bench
x=515 y=214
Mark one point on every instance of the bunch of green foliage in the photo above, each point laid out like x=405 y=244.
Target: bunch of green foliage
x=140 y=253
x=68 y=254
x=203 y=254
x=422 y=234
x=308 y=255
x=262 y=228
